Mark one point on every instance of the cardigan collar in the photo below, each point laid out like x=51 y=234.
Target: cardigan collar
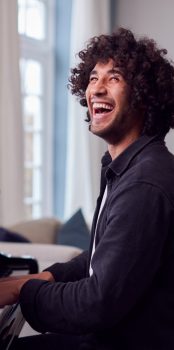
x=121 y=163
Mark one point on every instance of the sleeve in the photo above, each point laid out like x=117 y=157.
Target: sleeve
x=124 y=264
x=72 y=270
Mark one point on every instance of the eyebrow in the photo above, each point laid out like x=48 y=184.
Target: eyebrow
x=110 y=71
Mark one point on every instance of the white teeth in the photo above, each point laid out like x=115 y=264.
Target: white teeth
x=102 y=105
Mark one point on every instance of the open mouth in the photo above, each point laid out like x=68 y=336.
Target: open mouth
x=102 y=108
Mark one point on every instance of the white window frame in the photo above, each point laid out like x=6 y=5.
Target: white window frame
x=43 y=51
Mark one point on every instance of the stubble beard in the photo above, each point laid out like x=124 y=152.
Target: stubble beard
x=116 y=130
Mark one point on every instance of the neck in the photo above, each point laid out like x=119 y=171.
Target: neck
x=116 y=149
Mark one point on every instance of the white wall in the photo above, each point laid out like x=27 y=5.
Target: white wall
x=155 y=19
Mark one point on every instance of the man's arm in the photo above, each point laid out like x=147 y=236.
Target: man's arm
x=10 y=286
x=125 y=263
x=74 y=269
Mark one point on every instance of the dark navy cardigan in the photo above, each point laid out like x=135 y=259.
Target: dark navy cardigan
x=128 y=302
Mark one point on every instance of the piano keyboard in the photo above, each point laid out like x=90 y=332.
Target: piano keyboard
x=11 y=318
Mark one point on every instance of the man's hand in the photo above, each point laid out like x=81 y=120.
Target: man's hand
x=10 y=287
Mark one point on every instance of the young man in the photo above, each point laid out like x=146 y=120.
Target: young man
x=120 y=294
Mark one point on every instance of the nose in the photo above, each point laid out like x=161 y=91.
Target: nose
x=98 y=88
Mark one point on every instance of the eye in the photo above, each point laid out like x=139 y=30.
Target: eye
x=92 y=79
x=115 y=78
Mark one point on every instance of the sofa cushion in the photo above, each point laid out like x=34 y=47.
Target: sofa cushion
x=74 y=232
x=10 y=236
x=42 y=230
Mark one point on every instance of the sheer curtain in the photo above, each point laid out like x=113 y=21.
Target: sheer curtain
x=84 y=150
x=11 y=145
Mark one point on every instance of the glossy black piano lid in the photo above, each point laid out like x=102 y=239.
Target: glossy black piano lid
x=11 y=323
x=9 y=263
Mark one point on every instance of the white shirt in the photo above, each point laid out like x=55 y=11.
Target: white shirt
x=93 y=247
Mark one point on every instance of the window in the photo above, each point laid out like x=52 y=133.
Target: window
x=32 y=18
x=36 y=30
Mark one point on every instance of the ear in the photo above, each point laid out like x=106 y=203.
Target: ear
x=83 y=102
x=87 y=117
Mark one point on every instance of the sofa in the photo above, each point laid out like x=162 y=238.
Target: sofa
x=41 y=233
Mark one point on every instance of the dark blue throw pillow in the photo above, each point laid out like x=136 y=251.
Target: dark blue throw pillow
x=74 y=232
x=9 y=236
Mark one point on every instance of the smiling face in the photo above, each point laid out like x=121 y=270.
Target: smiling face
x=107 y=96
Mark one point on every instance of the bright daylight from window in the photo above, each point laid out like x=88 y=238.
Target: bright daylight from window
x=33 y=30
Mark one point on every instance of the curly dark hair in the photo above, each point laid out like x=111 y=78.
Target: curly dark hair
x=148 y=73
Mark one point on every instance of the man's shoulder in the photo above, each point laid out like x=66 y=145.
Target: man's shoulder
x=153 y=166
x=155 y=158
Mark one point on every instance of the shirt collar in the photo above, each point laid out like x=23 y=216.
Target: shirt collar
x=121 y=163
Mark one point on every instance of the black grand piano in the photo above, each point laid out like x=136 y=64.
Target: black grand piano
x=11 y=318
